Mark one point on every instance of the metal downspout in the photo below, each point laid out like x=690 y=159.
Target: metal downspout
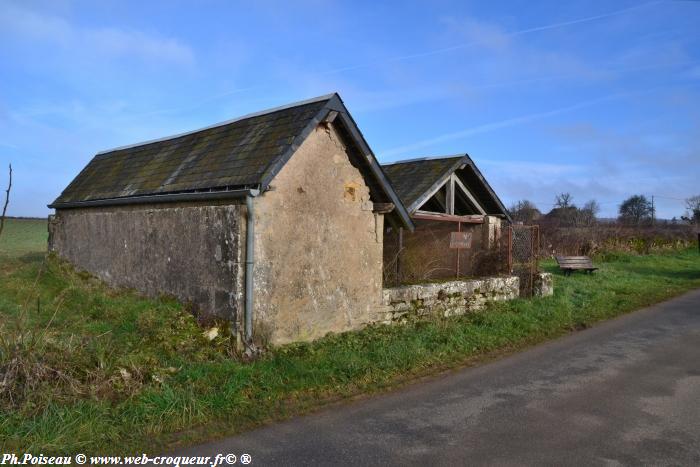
x=249 y=266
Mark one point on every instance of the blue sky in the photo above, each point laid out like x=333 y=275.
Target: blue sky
x=597 y=98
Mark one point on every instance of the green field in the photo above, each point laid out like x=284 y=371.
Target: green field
x=22 y=236
x=93 y=370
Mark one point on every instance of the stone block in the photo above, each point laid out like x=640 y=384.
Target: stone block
x=401 y=294
x=448 y=298
x=543 y=285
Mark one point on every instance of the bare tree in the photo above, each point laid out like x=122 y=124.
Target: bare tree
x=636 y=210
x=563 y=200
x=592 y=206
x=524 y=211
x=587 y=214
x=7 y=201
x=692 y=204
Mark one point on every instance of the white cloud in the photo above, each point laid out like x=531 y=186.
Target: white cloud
x=115 y=41
x=487 y=127
x=483 y=33
x=536 y=170
x=477 y=33
x=98 y=42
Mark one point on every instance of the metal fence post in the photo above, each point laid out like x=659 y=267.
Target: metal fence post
x=457 y=251
x=510 y=249
x=398 y=257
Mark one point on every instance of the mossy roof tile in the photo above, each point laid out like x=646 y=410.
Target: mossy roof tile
x=231 y=154
x=412 y=179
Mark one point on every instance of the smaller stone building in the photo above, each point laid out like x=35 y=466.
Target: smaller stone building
x=273 y=221
x=458 y=219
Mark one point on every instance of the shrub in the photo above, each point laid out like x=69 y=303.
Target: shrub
x=603 y=239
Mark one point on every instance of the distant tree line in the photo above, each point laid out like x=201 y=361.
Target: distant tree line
x=635 y=210
x=565 y=212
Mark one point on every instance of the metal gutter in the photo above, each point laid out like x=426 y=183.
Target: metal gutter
x=155 y=199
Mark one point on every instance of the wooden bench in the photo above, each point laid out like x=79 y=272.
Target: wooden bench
x=573 y=263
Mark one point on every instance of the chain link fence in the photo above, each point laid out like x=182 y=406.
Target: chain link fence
x=441 y=250
x=523 y=255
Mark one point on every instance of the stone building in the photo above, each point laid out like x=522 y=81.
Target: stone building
x=273 y=221
x=457 y=216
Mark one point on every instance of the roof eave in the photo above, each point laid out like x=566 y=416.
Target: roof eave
x=336 y=103
x=488 y=188
x=438 y=183
x=157 y=199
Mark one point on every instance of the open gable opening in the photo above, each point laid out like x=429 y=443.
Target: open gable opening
x=452 y=197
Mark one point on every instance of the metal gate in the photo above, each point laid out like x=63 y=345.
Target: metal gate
x=523 y=255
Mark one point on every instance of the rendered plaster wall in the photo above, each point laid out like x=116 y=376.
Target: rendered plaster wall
x=445 y=299
x=192 y=252
x=318 y=246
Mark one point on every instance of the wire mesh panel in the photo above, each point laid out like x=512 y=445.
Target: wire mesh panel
x=441 y=250
x=524 y=241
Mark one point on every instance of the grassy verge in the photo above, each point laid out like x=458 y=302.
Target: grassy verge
x=96 y=370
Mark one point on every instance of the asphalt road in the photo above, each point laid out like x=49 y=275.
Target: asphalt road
x=626 y=392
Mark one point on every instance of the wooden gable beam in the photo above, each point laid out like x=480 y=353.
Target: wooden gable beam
x=450 y=198
x=451 y=184
x=468 y=194
x=426 y=197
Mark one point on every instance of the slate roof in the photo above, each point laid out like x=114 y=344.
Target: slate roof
x=413 y=179
x=233 y=154
x=244 y=153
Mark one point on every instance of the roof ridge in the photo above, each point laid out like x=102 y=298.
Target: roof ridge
x=429 y=158
x=226 y=122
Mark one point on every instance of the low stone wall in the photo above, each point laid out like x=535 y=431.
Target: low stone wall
x=455 y=297
x=446 y=298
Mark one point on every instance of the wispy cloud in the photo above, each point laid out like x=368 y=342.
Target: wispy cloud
x=515 y=168
x=101 y=41
x=487 y=127
x=480 y=33
x=509 y=122
x=491 y=36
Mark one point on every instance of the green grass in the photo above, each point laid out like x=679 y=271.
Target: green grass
x=108 y=371
x=22 y=236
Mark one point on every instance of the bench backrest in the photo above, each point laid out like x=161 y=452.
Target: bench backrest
x=574 y=262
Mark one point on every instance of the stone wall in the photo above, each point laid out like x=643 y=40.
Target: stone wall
x=318 y=246
x=447 y=298
x=190 y=251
